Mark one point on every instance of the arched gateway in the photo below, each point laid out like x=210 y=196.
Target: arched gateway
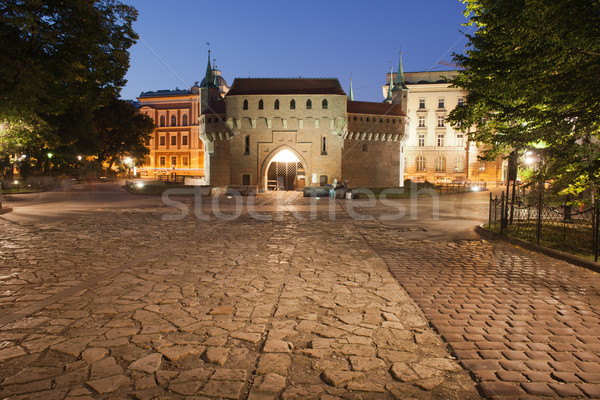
x=283 y=169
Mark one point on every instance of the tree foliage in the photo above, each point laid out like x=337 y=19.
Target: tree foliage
x=532 y=70
x=122 y=131
x=60 y=61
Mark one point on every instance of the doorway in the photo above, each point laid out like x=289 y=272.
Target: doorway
x=285 y=172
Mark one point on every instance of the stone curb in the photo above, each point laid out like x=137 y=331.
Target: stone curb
x=5 y=210
x=571 y=258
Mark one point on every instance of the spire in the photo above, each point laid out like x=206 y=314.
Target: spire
x=208 y=80
x=351 y=91
x=399 y=84
x=389 y=94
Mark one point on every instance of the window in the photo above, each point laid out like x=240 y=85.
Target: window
x=460 y=140
x=162 y=161
x=440 y=103
x=173 y=120
x=209 y=119
x=308 y=104
x=460 y=164
x=355 y=118
x=245 y=105
x=440 y=120
x=184 y=141
x=421 y=140
x=461 y=101
x=422 y=104
x=482 y=166
x=440 y=140
x=184 y=120
x=276 y=106
x=245 y=179
x=365 y=148
x=162 y=141
x=440 y=164
x=420 y=164
x=293 y=104
x=421 y=121
x=323 y=180
x=261 y=104
x=185 y=161
x=173 y=140
x=324 y=146
x=162 y=120
x=367 y=119
x=173 y=161
x=246 y=145
x=324 y=104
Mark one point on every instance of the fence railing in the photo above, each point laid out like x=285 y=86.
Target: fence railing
x=547 y=221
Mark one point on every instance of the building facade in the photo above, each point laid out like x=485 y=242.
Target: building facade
x=433 y=150
x=287 y=133
x=276 y=133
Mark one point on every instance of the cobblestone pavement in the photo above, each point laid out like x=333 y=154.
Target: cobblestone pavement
x=525 y=325
x=126 y=305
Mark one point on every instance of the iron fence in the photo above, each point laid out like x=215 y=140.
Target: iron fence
x=547 y=220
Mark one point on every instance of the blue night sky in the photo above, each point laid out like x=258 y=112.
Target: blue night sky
x=281 y=39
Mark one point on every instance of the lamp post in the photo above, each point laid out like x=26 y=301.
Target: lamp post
x=128 y=161
x=50 y=162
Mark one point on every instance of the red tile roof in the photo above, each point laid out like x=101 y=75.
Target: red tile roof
x=365 y=107
x=251 y=86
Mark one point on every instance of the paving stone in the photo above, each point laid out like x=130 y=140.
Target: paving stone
x=590 y=390
x=225 y=374
x=311 y=392
x=224 y=389
x=246 y=336
x=216 y=355
x=275 y=363
x=148 y=364
x=267 y=386
x=94 y=354
x=105 y=368
x=108 y=384
x=336 y=378
x=366 y=363
x=499 y=389
x=175 y=353
x=31 y=374
x=538 y=389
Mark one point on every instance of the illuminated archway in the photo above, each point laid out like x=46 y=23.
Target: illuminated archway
x=284 y=169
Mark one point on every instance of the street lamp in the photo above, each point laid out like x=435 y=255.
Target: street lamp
x=128 y=161
x=50 y=162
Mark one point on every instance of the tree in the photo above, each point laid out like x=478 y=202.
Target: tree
x=532 y=69
x=60 y=60
x=120 y=131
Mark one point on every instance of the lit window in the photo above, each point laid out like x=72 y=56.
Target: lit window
x=422 y=103
x=173 y=120
x=459 y=140
x=293 y=104
x=162 y=161
x=421 y=140
x=420 y=164
x=440 y=164
x=162 y=120
x=173 y=161
x=162 y=141
x=184 y=161
x=173 y=140
x=324 y=104
x=440 y=140
x=308 y=104
x=245 y=106
x=184 y=140
x=276 y=106
x=184 y=120
x=440 y=103
x=440 y=121
x=260 y=104
x=460 y=164
x=421 y=121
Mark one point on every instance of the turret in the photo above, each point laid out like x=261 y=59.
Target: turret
x=399 y=93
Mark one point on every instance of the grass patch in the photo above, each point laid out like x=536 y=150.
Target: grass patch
x=16 y=190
